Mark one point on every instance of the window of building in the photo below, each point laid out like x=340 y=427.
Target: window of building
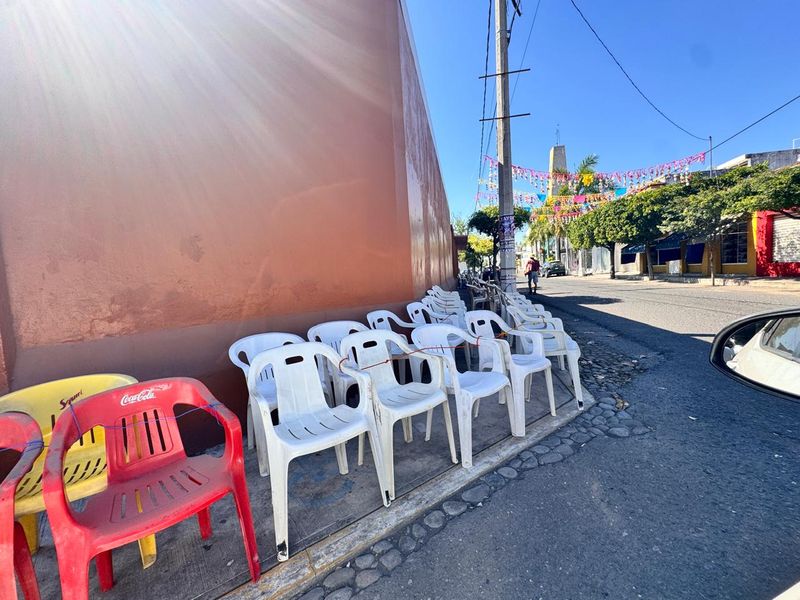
x=734 y=244
x=694 y=253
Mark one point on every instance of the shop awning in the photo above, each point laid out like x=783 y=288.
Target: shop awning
x=633 y=249
x=671 y=242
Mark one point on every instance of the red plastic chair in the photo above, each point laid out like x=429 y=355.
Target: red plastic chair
x=21 y=433
x=152 y=484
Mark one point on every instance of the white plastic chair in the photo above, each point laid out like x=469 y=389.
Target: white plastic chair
x=520 y=366
x=422 y=315
x=306 y=424
x=394 y=401
x=332 y=333
x=417 y=311
x=556 y=343
x=442 y=293
x=470 y=386
x=383 y=319
x=248 y=348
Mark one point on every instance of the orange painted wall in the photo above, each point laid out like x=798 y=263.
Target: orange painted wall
x=176 y=175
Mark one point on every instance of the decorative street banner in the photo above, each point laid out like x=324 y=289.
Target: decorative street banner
x=621 y=178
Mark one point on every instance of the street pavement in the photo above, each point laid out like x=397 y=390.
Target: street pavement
x=706 y=505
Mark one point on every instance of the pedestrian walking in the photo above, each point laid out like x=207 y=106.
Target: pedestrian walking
x=532 y=271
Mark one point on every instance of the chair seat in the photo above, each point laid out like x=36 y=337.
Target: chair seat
x=314 y=430
x=153 y=502
x=551 y=345
x=481 y=384
x=530 y=362
x=411 y=398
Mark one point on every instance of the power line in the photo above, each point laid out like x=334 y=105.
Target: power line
x=483 y=109
x=521 y=62
x=757 y=121
x=633 y=83
x=525 y=51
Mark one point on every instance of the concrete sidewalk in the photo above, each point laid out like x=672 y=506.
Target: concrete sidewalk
x=778 y=283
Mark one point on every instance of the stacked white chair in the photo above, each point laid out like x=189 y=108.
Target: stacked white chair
x=394 y=401
x=556 y=343
x=242 y=353
x=470 y=386
x=332 y=333
x=383 y=319
x=519 y=366
x=306 y=424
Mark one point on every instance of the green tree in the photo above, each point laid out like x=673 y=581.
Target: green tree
x=602 y=227
x=459 y=224
x=487 y=221
x=767 y=190
x=704 y=206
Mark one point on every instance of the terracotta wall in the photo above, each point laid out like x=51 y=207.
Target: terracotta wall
x=177 y=175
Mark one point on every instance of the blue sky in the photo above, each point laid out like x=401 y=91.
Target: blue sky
x=713 y=67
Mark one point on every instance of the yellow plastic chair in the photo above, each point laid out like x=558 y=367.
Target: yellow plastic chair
x=85 y=463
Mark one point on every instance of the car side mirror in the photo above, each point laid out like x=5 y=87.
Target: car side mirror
x=762 y=351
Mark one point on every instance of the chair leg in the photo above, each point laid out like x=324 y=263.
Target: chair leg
x=23 y=565
x=242 y=501
x=279 y=481
x=516 y=407
x=428 y=424
x=548 y=378
x=448 y=424
x=478 y=406
x=561 y=361
x=105 y=570
x=147 y=550
x=73 y=566
x=376 y=445
x=465 y=432
x=341 y=457
x=408 y=432
x=30 y=525
x=387 y=451
x=576 y=377
x=250 y=440
x=360 y=449
x=204 y=521
x=257 y=415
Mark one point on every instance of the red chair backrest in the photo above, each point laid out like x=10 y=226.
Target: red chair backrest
x=141 y=430
x=20 y=433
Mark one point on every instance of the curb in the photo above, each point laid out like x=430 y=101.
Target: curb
x=289 y=578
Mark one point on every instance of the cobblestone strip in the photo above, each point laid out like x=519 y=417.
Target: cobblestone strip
x=348 y=581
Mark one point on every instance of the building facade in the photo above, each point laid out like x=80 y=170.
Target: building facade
x=178 y=176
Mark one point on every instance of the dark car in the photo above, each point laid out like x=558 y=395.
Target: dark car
x=555 y=267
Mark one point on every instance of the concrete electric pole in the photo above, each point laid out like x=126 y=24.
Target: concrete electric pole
x=508 y=271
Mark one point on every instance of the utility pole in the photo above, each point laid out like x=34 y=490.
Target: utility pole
x=508 y=271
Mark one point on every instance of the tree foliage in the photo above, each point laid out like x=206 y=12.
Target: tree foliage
x=459 y=224
x=769 y=190
x=487 y=220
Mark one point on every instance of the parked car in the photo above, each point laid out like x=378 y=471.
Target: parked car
x=554 y=267
x=763 y=352
x=766 y=351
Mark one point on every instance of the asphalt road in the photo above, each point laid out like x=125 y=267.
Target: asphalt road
x=707 y=505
